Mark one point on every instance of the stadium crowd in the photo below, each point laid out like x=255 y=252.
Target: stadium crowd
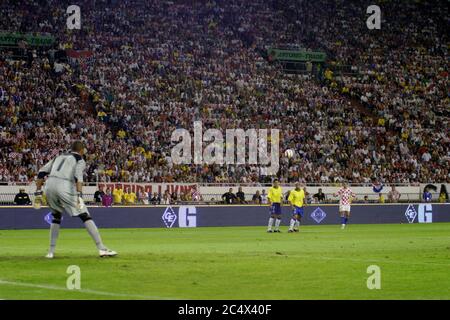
x=156 y=66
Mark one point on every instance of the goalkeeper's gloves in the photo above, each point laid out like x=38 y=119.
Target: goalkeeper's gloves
x=80 y=203
x=38 y=199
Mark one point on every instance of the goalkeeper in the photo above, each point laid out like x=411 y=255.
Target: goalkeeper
x=63 y=190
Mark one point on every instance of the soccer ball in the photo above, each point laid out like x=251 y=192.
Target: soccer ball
x=289 y=153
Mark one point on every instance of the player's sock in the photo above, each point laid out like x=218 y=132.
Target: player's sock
x=54 y=233
x=269 y=227
x=345 y=220
x=293 y=222
x=277 y=224
x=93 y=232
x=297 y=224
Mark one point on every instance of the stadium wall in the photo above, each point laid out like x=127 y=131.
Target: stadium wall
x=409 y=192
x=223 y=216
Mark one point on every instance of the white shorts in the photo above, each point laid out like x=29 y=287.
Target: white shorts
x=344 y=207
x=62 y=197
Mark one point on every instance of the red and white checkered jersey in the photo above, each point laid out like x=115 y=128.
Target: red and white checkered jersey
x=196 y=195
x=345 y=195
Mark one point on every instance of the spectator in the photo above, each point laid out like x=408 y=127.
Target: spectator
x=264 y=197
x=166 y=198
x=257 y=199
x=107 y=198
x=129 y=197
x=443 y=194
x=308 y=196
x=393 y=195
x=22 y=198
x=118 y=195
x=426 y=195
x=185 y=196
x=98 y=195
x=142 y=196
x=319 y=196
x=286 y=196
x=156 y=199
x=174 y=197
x=229 y=197
x=240 y=196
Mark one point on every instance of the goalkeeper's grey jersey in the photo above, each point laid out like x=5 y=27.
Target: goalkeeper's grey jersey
x=68 y=166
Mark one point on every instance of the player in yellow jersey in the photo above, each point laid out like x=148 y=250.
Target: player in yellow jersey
x=297 y=201
x=275 y=197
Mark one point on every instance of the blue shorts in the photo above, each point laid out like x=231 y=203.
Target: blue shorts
x=275 y=208
x=298 y=210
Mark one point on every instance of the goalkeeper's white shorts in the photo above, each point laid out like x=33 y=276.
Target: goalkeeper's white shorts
x=62 y=197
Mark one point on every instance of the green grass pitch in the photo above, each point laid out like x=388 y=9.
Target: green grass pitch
x=320 y=262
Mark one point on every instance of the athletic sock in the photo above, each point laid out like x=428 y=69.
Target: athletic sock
x=297 y=224
x=271 y=220
x=54 y=233
x=343 y=221
x=293 y=222
x=277 y=224
x=93 y=232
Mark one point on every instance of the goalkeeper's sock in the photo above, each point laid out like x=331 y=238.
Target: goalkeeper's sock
x=54 y=233
x=277 y=224
x=93 y=232
x=291 y=226
x=269 y=227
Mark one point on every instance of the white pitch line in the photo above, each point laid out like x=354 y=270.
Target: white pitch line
x=371 y=260
x=103 y=293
